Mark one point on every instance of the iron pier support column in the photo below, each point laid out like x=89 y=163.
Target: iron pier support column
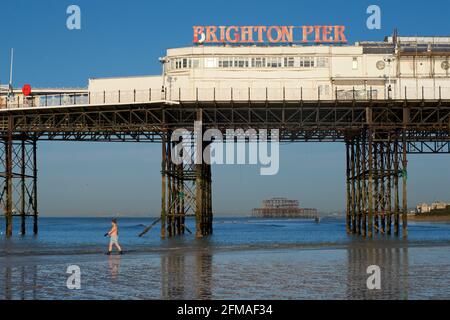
x=396 y=189
x=363 y=178
x=18 y=179
x=389 y=187
x=8 y=165
x=370 y=194
x=203 y=196
x=22 y=188
x=353 y=185
x=186 y=185
x=163 y=184
x=359 y=182
x=375 y=162
x=348 y=223
x=173 y=177
x=34 y=200
x=404 y=180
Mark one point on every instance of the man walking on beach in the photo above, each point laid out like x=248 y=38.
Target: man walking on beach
x=114 y=237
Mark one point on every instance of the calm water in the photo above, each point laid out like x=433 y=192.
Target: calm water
x=244 y=259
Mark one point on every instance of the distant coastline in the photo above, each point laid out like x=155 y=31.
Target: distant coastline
x=433 y=218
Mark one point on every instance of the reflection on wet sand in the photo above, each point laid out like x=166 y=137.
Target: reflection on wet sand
x=186 y=276
x=205 y=273
x=394 y=265
x=20 y=283
x=114 y=265
x=8 y=283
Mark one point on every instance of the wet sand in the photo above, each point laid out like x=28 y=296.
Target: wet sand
x=244 y=259
x=416 y=272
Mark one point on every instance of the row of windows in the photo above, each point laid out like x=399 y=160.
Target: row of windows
x=184 y=63
x=253 y=62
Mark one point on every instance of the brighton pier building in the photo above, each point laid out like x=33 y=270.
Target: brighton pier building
x=412 y=71
x=396 y=68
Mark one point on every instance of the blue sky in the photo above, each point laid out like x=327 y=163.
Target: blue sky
x=120 y=38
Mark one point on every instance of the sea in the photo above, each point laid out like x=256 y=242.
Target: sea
x=245 y=258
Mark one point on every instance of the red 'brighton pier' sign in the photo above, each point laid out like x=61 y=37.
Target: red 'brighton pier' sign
x=269 y=34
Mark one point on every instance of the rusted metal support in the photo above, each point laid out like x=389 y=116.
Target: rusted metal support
x=199 y=200
x=396 y=189
x=370 y=184
x=8 y=177
x=186 y=186
x=164 y=161
x=203 y=196
x=170 y=210
x=353 y=185
x=210 y=205
x=383 y=192
x=389 y=187
x=359 y=184
x=376 y=186
x=199 y=194
x=18 y=181
x=348 y=175
x=374 y=166
x=404 y=197
x=22 y=188
x=364 y=184
x=35 y=194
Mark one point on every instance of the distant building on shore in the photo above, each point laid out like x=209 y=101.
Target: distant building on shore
x=425 y=208
x=283 y=208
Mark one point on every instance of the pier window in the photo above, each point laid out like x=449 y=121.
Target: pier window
x=306 y=62
x=181 y=63
x=258 y=62
x=240 y=62
x=225 y=62
x=355 y=64
x=185 y=63
x=289 y=62
x=322 y=62
x=252 y=62
x=211 y=63
x=195 y=63
x=274 y=62
x=324 y=90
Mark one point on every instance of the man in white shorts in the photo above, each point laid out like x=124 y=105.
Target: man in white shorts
x=114 y=237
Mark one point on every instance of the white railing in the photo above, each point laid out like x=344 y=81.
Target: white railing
x=226 y=94
x=307 y=94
